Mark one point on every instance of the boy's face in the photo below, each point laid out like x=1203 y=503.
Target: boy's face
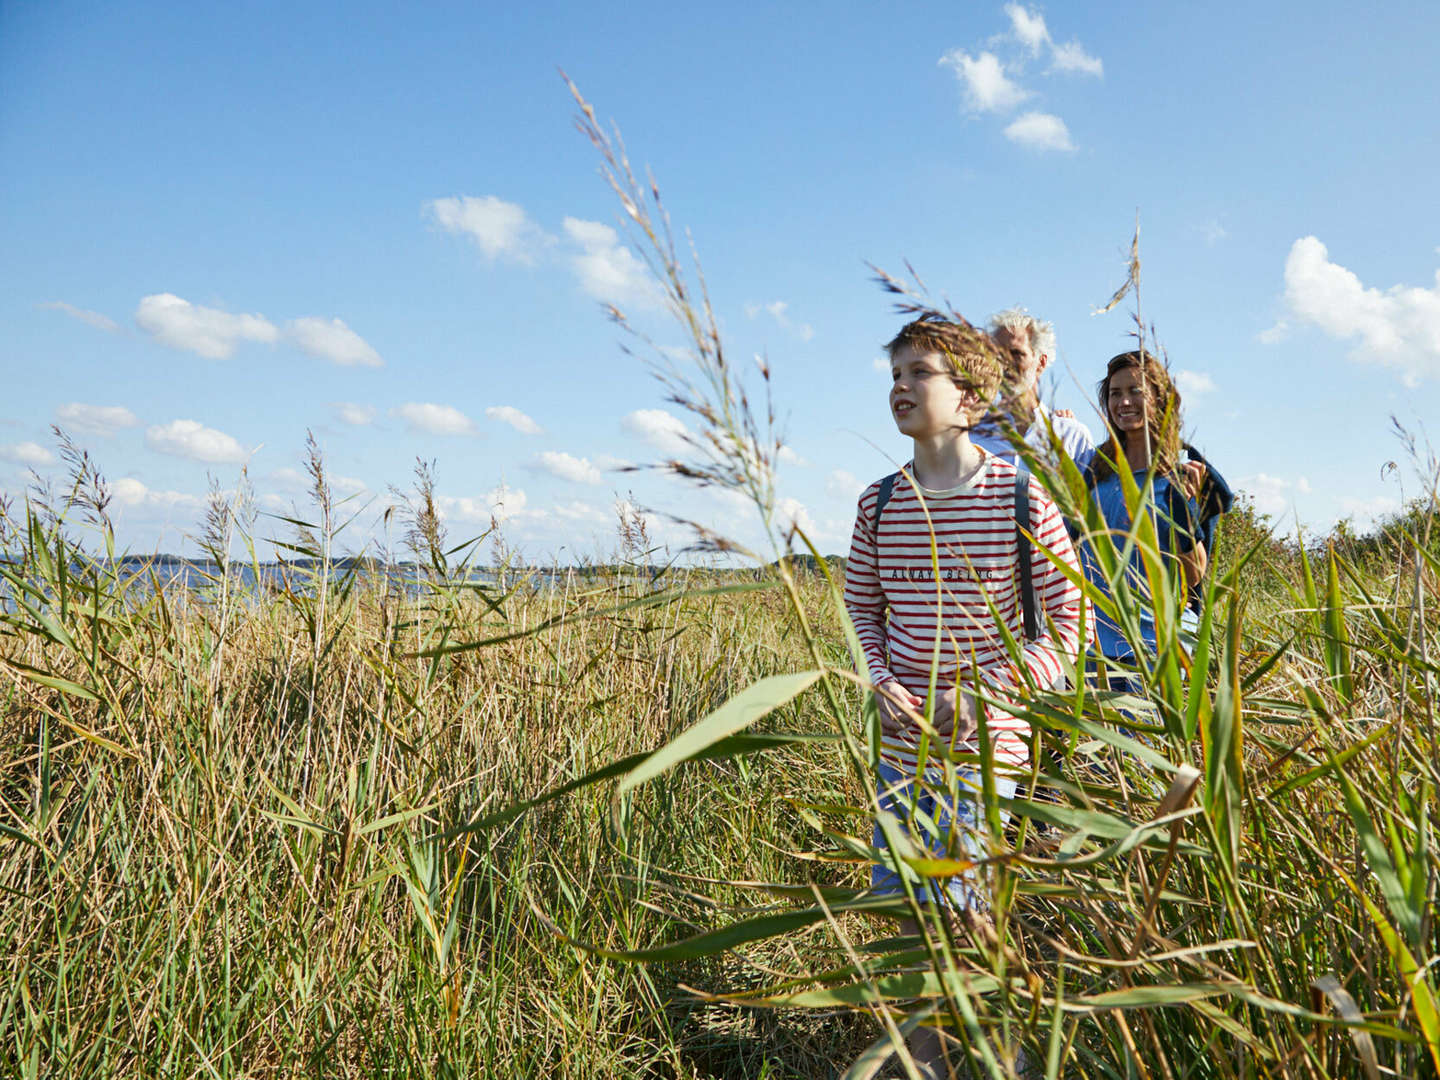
x=924 y=398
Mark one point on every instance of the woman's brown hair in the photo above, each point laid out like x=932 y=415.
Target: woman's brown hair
x=1162 y=415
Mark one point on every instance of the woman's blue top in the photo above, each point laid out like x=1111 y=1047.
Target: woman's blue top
x=1175 y=518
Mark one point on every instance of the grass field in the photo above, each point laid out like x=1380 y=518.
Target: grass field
x=619 y=827
x=264 y=835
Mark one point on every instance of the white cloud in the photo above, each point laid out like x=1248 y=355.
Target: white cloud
x=1028 y=27
x=501 y=229
x=790 y=511
x=661 y=430
x=191 y=439
x=1397 y=328
x=1193 y=384
x=787 y=456
x=434 y=419
x=103 y=420
x=580 y=511
x=210 y=332
x=294 y=482
x=508 y=414
x=287 y=479
x=91 y=318
x=501 y=503
x=1072 y=57
x=841 y=484
x=1364 y=513
x=353 y=413
x=1040 y=131
x=987 y=87
x=881 y=364
x=133 y=494
x=26 y=453
x=777 y=310
x=1275 y=334
x=611 y=463
x=1273 y=495
x=606 y=268
x=567 y=467
x=331 y=339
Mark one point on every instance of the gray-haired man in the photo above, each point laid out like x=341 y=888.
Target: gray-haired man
x=1028 y=344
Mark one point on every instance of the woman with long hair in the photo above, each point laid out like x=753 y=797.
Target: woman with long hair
x=1141 y=407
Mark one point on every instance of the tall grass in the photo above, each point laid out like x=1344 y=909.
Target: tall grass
x=620 y=826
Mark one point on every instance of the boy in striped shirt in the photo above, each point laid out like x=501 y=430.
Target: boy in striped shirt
x=912 y=606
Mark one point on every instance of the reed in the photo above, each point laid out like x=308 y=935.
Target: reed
x=618 y=826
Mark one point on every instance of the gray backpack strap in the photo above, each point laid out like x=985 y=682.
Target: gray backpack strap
x=882 y=497
x=1022 y=548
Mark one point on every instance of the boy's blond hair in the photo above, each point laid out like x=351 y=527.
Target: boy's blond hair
x=978 y=362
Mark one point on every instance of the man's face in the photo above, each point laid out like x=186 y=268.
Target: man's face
x=1022 y=372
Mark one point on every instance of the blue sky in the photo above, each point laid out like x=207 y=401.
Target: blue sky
x=224 y=225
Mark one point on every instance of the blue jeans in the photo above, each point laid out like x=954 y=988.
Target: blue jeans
x=941 y=826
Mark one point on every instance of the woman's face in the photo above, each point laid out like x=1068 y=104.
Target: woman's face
x=1125 y=401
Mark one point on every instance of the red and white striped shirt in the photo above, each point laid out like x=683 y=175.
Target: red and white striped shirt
x=893 y=571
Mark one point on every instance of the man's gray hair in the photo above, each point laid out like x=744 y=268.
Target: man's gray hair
x=1017 y=320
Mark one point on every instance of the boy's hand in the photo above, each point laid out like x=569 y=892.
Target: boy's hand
x=898 y=707
x=955 y=713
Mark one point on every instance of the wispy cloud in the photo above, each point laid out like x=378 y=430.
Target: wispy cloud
x=353 y=413
x=1398 y=328
x=209 y=332
x=1028 y=27
x=508 y=414
x=90 y=318
x=1365 y=512
x=30 y=454
x=606 y=268
x=841 y=484
x=192 y=439
x=567 y=467
x=987 y=87
x=134 y=494
x=434 y=419
x=787 y=456
x=664 y=432
x=990 y=79
x=1194 y=384
x=1213 y=232
x=500 y=503
x=1040 y=131
x=779 y=311
x=1271 y=494
x=102 y=420
x=501 y=230
x=331 y=339
x=791 y=511
x=1072 y=57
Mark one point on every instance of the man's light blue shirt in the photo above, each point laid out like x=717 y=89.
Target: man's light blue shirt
x=1074 y=437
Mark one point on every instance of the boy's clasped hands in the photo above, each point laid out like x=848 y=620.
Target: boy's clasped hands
x=902 y=710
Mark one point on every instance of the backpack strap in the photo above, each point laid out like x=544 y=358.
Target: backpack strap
x=887 y=487
x=1022 y=549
